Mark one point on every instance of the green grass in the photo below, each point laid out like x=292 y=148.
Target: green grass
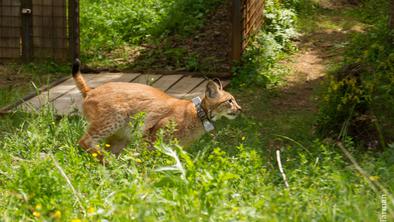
x=21 y=79
x=114 y=29
x=231 y=175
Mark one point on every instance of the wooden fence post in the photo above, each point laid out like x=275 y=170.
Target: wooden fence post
x=73 y=18
x=27 y=24
x=236 y=30
x=391 y=20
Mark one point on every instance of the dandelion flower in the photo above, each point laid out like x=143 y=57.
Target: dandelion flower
x=94 y=154
x=91 y=210
x=36 y=214
x=57 y=214
x=38 y=207
x=76 y=220
x=107 y=145
x=138 y=160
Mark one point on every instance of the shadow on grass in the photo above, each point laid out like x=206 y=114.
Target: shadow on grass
x=193 y=36
x=206 y=49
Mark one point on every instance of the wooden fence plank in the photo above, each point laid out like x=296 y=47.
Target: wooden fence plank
x=166 y=82
x=73 y=99
x=147 y=79
x=185 y=85
x=236 y=30
x=200 y=89
x=73 y=24
x=47 y=96
x=197 y=91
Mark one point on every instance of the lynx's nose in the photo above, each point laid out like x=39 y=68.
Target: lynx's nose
x=239 y=108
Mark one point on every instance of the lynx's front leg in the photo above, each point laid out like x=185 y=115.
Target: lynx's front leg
x=89 y=142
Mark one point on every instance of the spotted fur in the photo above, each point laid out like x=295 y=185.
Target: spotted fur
x=108 y=109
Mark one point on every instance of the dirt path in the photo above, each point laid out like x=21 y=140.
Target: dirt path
x=318 y=50
x=291 y=109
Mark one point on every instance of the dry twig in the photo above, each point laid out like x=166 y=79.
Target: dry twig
x=281 y=168
x=375 y=185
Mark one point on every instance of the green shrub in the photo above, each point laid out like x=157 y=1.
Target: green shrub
x=259 y=60
x=359 y=100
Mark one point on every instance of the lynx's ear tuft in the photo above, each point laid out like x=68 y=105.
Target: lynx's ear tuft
x=217 y=80
x=213 y=90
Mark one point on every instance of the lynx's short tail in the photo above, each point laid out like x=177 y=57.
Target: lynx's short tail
x=79 y=80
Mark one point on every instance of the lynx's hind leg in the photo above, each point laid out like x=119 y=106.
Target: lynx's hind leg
x=100 y=130
x=119 y=140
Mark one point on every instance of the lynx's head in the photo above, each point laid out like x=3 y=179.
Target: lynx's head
x=218 y=103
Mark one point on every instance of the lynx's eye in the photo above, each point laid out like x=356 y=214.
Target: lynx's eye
x=230 y=101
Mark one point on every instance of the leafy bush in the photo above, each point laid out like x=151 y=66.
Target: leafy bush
x=359 y=100
x=259 y=61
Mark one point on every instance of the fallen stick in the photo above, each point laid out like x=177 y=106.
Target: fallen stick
x=281 y=168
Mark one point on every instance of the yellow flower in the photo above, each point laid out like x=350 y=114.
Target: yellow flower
x=138 y=160
x=76 y=220
x=57 y=214
x=94 y=154
x=38 y=207
x=108 y=145
x=91 y=210
x=36 y=214
x=243 y=138
x=374 y=178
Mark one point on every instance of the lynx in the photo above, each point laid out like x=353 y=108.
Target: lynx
x=108 y=109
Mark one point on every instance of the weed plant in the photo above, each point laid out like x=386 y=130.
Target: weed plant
x=259 y=63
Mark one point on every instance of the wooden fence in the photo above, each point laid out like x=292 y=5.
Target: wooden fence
x=36 y=29
x=247 y=18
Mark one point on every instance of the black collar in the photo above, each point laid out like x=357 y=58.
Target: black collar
x=208 y=126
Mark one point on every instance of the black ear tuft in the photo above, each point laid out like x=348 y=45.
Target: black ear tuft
x=212 y=90
x=217 y=80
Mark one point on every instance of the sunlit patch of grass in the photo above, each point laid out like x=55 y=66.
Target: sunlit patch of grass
x=230 y=175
